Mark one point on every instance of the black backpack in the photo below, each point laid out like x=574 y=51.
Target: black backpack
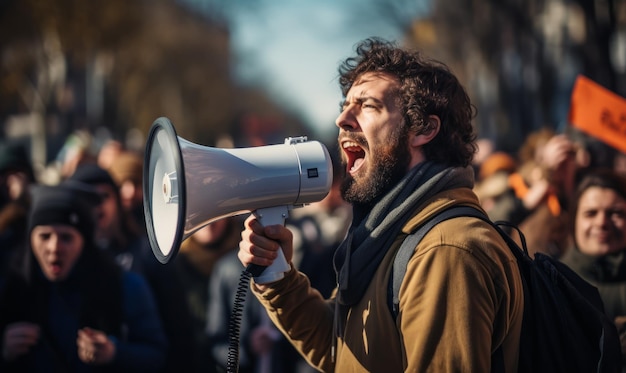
x=564 y=327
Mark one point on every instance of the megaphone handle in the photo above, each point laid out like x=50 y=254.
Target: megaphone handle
x=276 y=271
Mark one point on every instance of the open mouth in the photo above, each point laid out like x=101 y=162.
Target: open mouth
x=56 y=267
x=355 y=155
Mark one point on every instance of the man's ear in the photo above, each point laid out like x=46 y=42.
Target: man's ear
x=430 y=131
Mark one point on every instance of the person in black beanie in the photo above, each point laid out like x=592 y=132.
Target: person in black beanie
x=68 y=307
x=114 y=227
x=117 y=235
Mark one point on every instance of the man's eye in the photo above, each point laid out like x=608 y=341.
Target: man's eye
x=370 y=104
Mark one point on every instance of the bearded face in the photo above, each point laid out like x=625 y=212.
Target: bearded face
x=373 y=138
x=388 y=164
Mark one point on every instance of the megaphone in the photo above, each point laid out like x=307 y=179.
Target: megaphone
x=188 y=186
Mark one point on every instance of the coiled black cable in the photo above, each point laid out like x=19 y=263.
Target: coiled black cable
x=232 y=361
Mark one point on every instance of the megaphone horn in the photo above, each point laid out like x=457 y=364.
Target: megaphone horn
x=187 y=186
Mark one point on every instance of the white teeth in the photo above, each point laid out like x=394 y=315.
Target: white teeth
x=349 y=144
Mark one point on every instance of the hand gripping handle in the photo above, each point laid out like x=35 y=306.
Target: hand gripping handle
x=276 y=271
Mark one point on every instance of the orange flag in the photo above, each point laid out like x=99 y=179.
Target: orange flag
x=598 y=112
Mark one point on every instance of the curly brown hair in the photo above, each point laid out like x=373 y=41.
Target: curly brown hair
x=428 y=87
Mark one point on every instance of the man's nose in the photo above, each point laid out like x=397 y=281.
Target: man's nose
x=347 y=119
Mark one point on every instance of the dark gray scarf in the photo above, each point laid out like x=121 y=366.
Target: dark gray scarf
x=369 y=238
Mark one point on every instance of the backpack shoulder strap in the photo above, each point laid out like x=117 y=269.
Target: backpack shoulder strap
x=406 y=250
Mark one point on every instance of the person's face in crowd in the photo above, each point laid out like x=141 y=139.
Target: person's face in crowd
x=600 y=222
x=13 y=186
x=56 y=248
x=212 y=233
x=107 y=212
x=131 y=195
x=372 y=137
x=17 y=185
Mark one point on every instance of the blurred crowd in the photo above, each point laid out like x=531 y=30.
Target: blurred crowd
x=75 y=255
x=132 y=313
x=534 y=188
x=566 y=192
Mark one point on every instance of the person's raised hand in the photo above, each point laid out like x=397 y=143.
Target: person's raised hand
x=556 y=151
x=259 y=245
x=94 y=347
x=18 y=339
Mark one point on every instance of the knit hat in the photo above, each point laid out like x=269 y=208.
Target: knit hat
x=92 y=174
x=496 y=162
x=63 y=205
x=13 y=157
